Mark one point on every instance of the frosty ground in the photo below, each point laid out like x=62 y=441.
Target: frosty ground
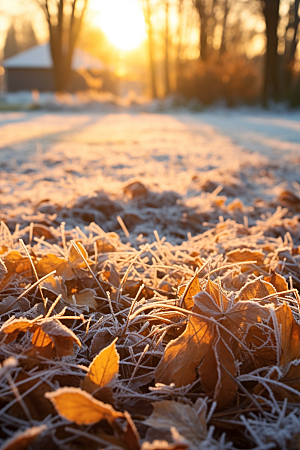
x=200 y=203
x=73 y=167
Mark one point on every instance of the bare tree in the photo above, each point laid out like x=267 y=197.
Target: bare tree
x=167 y=45
x=11 y=46
x=64 y=19
x=147 y=14
x=271 y=78
x=291 y=43
x=205 y=9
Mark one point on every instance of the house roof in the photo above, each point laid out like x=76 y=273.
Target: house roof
x=39 y=57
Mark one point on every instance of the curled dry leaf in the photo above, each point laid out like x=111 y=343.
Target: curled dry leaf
x=168 y=414
x=256 y=290
x=57 y=286
x=23 y=439
x=188 y=290
x=103 y=370
x=65 y=268
x=16 y=263
x=278 y=281
x=289 y=335
x=204 y=342
x=246 y=254
x=80 y=407
x=3 y=270
x=50 y=336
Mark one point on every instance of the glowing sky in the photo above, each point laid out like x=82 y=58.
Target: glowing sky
x=121 y=21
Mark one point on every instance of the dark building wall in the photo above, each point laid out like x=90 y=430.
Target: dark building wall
x=29 y=79
x=42 y=80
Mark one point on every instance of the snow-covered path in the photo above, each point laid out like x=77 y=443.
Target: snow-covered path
x=53 y=163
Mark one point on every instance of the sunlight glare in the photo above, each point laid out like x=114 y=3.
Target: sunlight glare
x=122 y=21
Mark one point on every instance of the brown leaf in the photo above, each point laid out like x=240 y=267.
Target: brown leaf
x=183 y=354
x=214 y=379
x=135 y=189
x=103 y=370
x=111 y=274
x=13 y=327
x=80 y=407
x=42 y=230
x=48 y=263
x=101 y=340
x=278 y=281
x=85 y=298
x=55 y=285
x=246 y=254
x=61 y=336
x=188 y=290
x=3 y=270
x=67 y=269
x=104 y=246
x=184 y=418
x=290 y=335
x=23 y=439
x=16 y=263
x=217 y=294
x=257 y=289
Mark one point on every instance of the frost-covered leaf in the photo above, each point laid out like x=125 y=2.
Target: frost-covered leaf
x=188 y=290
x=103 y=370
x=80 y=407
x=23 y=439
x=168 y=414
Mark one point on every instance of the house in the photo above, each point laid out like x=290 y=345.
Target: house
x=32 y=70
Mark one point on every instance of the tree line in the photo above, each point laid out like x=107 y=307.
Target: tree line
x=223 y=37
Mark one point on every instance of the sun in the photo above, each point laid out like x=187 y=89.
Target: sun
x=122 y=21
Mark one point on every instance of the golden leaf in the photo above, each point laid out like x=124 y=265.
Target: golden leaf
x=214 y=379
x=103 y=369
x=183 y=354
x=290 y=335
x=188 y=290
x=278 y=281
x=48 y=263
x=257 y=289
x=16 y=263
x=80 y=407
x=246 y=254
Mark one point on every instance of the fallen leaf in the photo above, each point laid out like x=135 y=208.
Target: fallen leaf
x=80 y=407
x=246 y=254
x=188 y=290
x=183 y=355
x=184 y=418
x=278 y=281
x=16 y=263
x=289 y=334
x=85 y=298
x=215 y=380
x=257 y=289
x=135 y=189
x=23 y=439
x=103 y=370
x=48 y=263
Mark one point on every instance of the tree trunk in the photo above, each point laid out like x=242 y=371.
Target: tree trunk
x=200 y=6
x=270 y=86
x=167 y=75
x=151 y=48
x=63 y=38
x=223 y=43
x=291 y=46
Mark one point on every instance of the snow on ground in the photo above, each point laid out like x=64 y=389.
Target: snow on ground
x=75 y=166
